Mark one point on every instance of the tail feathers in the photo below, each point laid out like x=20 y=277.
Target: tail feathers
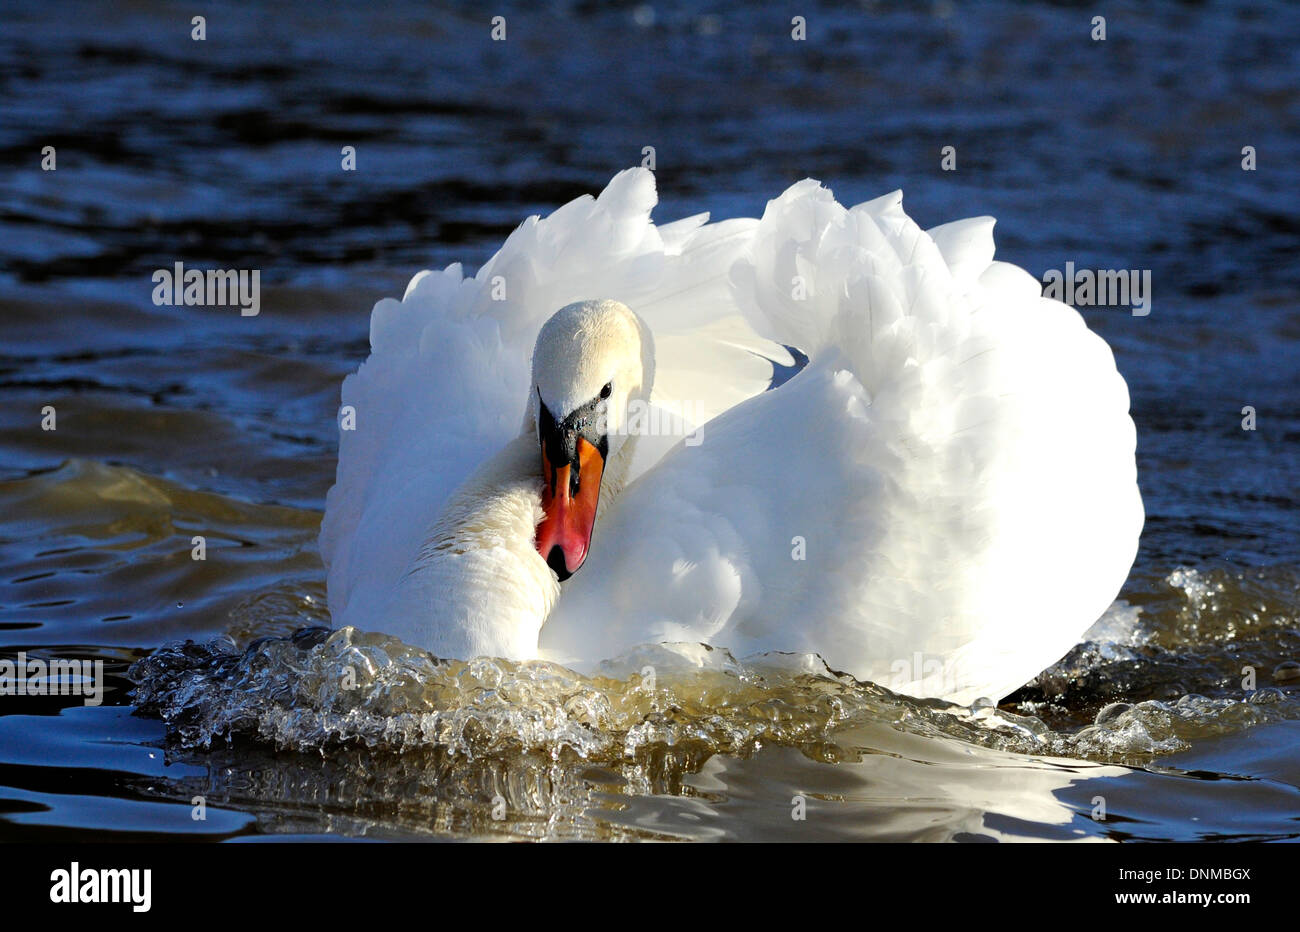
x=826 y=279
x=966 y=247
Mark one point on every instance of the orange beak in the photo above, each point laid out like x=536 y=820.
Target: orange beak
x=569 y=509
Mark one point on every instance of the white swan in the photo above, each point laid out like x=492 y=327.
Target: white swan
x=941 y=501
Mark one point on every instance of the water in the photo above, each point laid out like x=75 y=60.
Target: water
x=174 y=422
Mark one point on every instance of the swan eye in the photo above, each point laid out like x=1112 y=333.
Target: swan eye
x=609 y=387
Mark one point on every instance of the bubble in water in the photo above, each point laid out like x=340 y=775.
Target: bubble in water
x=1267 y=696
x=1112 y=711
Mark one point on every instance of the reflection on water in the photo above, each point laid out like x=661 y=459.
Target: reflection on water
x=935 y=792
x=1179 y=712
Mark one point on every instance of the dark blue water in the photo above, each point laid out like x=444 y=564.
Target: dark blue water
x=226 y=153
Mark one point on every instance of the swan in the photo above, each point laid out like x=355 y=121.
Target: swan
x=581 y=449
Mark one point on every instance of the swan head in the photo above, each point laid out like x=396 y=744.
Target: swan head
x=592 y=360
